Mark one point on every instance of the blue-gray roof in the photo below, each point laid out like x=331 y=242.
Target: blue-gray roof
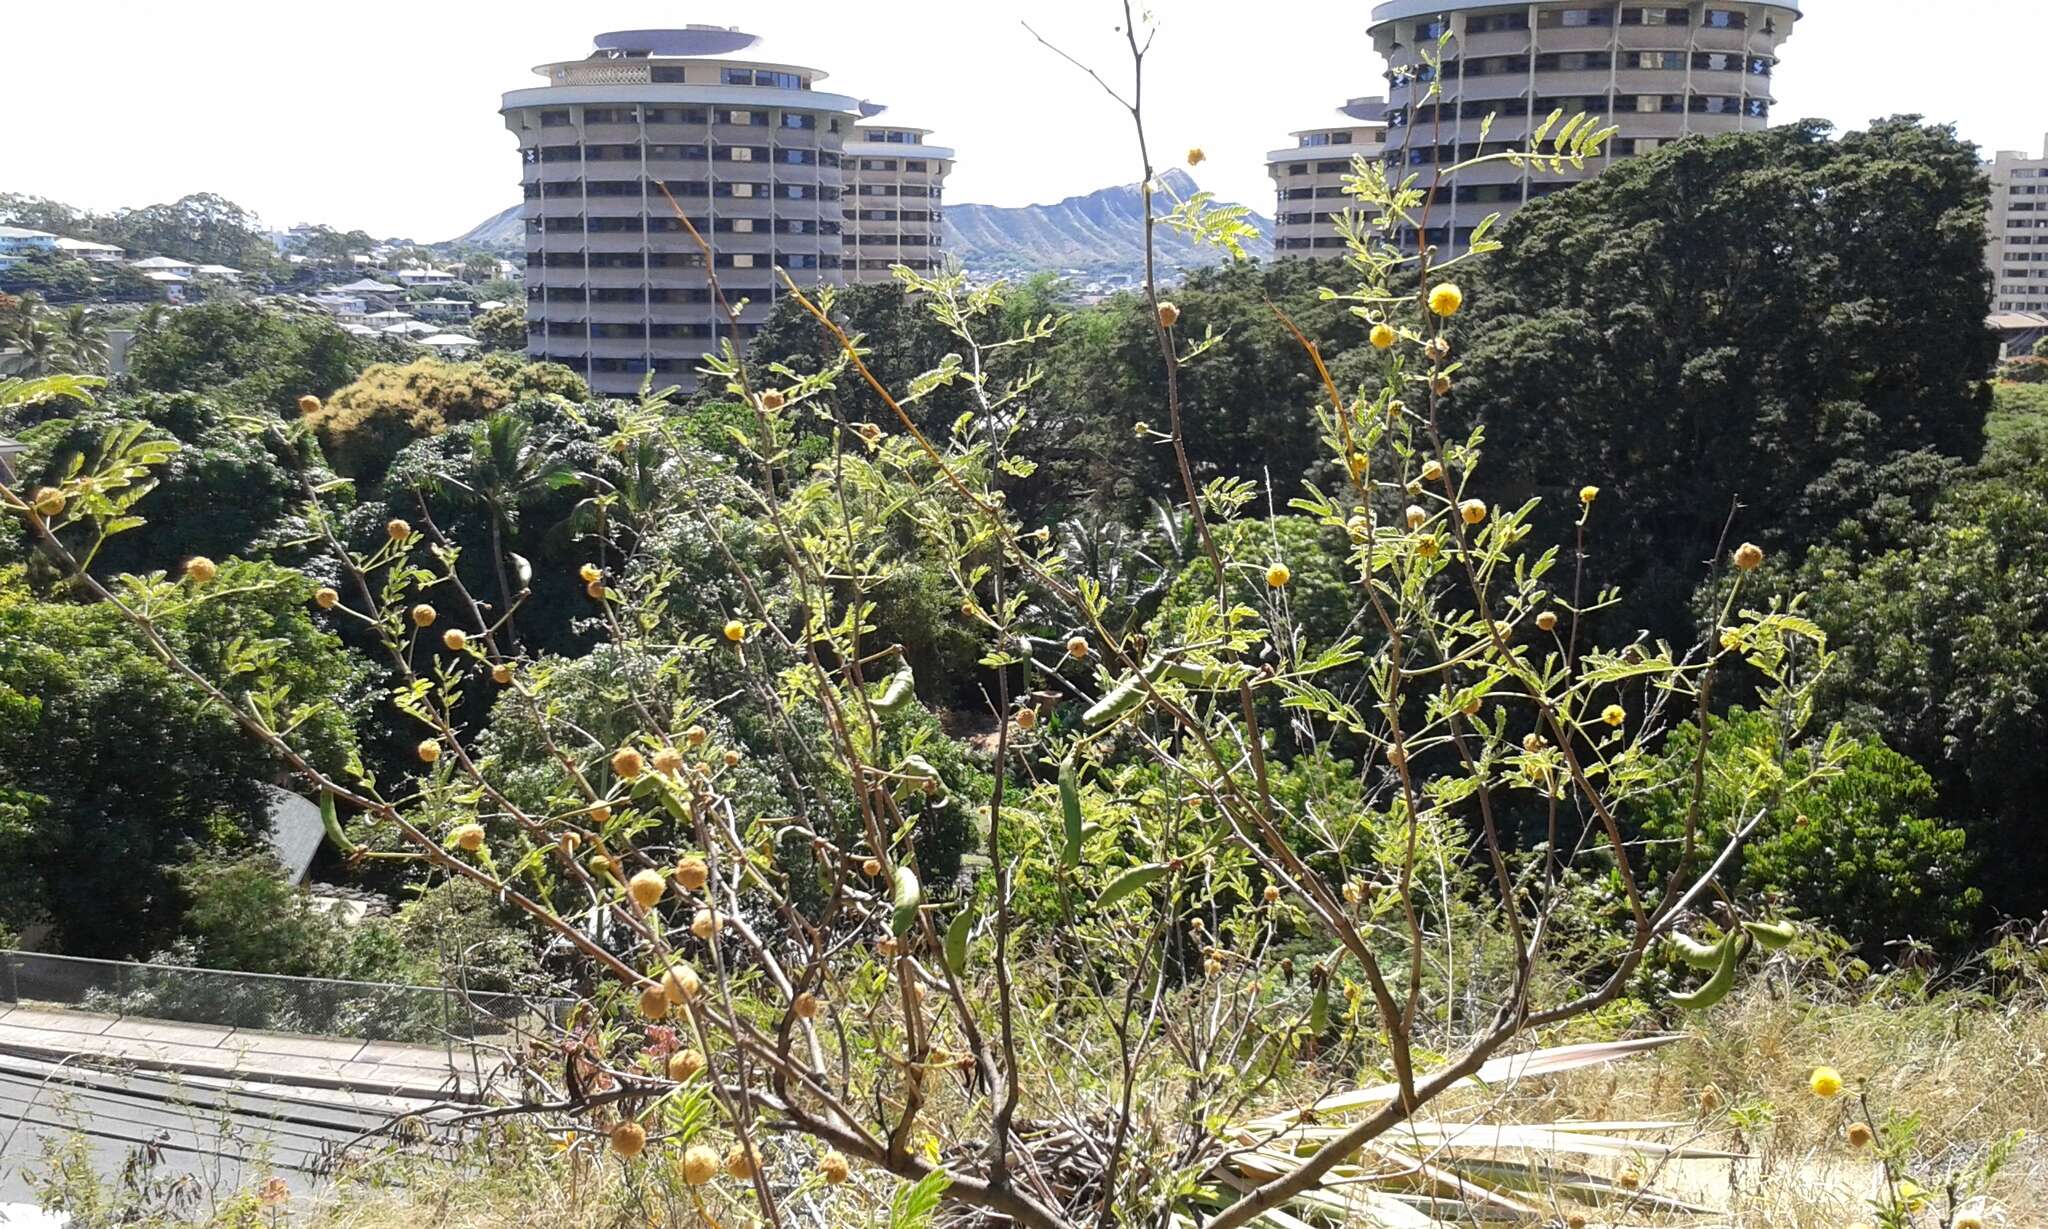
x=1395 y=10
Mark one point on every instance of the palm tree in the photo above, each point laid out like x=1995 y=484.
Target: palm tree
x=83 y=341
x=506 y=471
x=151 y=318
x=33 y=352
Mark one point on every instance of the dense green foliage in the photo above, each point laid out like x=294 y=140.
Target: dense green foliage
x=113 y=770
x=1769 y=319
x=250 y=356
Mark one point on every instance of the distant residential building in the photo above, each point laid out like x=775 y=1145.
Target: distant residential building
x=343 y=306
x=221 y=273
x=442 y=309
x=164 y=264
x=426 y=277
x=1658 y=72
x=751 y=150
x=17 y=242
x=1308 y=178
x=2016 y=233
x=373 y=293
x=86 y=249
x=892 y=191
x=171 y=282
x=449 y=345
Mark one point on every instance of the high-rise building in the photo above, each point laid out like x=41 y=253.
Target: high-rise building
x=2016 y=233
x=753 y=153
x=893 y=197
x=1657 y=72
x=1308 y=178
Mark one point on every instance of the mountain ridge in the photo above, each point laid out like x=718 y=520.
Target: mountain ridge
x=1099 y=233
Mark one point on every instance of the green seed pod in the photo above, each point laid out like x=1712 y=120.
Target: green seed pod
x=956 y=937
x=1695 y=953
x=909 y=895
x=1070 y=807
x=897 y=692
x=331 y=821
x=1131 y=881
x=1716 y=988
x=1771 y=936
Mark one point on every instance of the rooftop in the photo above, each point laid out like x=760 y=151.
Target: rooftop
x=1395 y=10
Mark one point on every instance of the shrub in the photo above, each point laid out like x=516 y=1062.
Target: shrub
x=363 y=426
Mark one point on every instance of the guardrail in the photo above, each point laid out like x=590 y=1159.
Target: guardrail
x=370 y=1011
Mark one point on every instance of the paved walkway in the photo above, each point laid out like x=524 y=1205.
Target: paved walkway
x=456 y=1072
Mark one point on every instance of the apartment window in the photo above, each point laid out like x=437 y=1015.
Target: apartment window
x=666 y=74
x=614 y=226
x=1716 y=62
x=1724 y=19
x=800 y=192
x=1297 y=168
x=797 y=119
x=611 y=153
x=743 y=119
x=877 y=164
x=739 y=190
x=916 y=164
x=630 y=294
x=798 y=157
x=1573 y=19
x=1331 y=168
x=636 y=330
x=1760 y=65
x=736 y=260
x=678 y=115
x=554 y=119
x=1655 y=17
x=678 y=153
x=737 y=226
x=1570 y=61
x=1494 y=23
x=740 y=153
x=608 y=115
x=1653 y=60
x=1430 y=31
x=561 y=153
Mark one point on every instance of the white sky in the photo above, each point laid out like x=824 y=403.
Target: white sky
x=382 y=114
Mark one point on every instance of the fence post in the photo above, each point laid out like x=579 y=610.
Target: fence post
x=10 y=989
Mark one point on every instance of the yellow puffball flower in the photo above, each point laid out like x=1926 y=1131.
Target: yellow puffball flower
x=48 y=502
x=739 y=1162
x=309 y=404
x=1432 y=471
x=201 y=569
x=1382 y=336
x=668 y=761
x=806 y=1006
x=1027 y=718
x=1547 y=621
x=735 y=630
x=833 y=1168
x=468 y=837
x=1860 y=1136
x=627 y=763
x=397 y=530
x=628 y=1139
x=681 y=983
x=423 y=615
x=653 y=1003
x=1277 y=576
x=501 y=674
x=326 y=598
x=1196 y=157
x=455 y=639
x=1417 y=518
x=1169 y=315
x=646 y=888
x=1614 y=714
x=1077 y=648
x=1587 y=494
x=589 y=572
x=1427 y=547
x=700 y=1165
x=1473 y=510
x=693 y=873
x=428 y=750
x=1826 y=1083
x=705 y=924
x=1141 y=428
x=1445 y=299
x=1749 y=556
x=683 y=1064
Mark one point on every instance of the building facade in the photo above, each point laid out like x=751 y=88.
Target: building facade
x=1657 y=72
x=2016 y=234
x=892 y=193
x=1308 y=178
x=751 y=151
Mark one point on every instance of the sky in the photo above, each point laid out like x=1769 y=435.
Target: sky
x=382 y=115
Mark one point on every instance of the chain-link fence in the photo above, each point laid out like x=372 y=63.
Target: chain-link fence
x=370 y=1011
